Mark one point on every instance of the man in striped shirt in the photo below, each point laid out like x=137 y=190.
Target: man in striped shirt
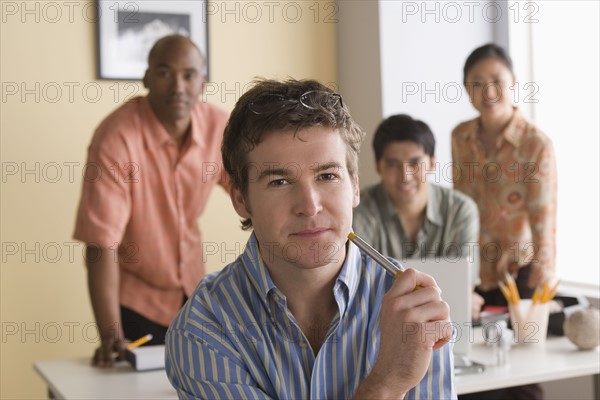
x=303 y=313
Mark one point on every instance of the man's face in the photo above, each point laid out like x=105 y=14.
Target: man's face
x=300 y=198
x=174 y=79
x=488 y=84
x=403 y=168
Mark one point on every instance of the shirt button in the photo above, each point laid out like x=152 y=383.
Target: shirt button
x=276 y=298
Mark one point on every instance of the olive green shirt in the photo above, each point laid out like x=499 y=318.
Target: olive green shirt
x=450 y=228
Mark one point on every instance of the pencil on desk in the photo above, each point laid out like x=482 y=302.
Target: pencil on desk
x=139 y=342
x=377 y=256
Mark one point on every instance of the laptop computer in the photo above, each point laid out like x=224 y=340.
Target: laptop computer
x=453 y=276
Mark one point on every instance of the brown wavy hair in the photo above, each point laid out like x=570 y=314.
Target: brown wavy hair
x=246 y=127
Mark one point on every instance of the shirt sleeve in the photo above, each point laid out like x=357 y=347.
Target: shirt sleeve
x=197 y=370
x=105 y=205
x=541 y=203
x=438 y=382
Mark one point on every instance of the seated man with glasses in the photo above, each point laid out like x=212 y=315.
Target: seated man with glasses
x=407 y=216
x=304 y=313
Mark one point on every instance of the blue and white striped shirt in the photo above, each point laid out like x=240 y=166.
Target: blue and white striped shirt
x=235 y=338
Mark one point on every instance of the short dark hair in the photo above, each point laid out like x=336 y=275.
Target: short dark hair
x=402 y=128
x=272 y=105
x=489 y=50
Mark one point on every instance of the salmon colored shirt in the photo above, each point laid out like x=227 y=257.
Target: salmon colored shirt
x=144 y=195
x=515 y=188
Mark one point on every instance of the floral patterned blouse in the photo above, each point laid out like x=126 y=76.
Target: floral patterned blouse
x=514 y=185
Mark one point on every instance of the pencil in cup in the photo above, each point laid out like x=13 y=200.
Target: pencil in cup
x=139 y=342
x=544 y=293
x=509 y=290
x=377 y=256
x=508 y=293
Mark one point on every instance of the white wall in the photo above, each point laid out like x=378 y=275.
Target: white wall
x=414 y=66
x=423 y=49
x=359 y=72
x=565 y=53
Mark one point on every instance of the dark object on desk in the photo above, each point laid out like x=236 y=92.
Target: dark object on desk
x=569 y=304
x=146 y=358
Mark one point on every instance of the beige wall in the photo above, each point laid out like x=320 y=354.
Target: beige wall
x=363 y=96
x=44 y=301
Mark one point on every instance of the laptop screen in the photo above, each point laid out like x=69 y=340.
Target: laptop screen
x=454 y=278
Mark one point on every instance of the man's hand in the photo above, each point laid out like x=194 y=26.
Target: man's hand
x=110 y=350
x=413 y=324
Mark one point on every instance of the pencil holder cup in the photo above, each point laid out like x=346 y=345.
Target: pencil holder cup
x=529 y=321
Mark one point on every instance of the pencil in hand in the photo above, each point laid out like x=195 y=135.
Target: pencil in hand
x=377 y=256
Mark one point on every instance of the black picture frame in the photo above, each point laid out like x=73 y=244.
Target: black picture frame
x=126 y=30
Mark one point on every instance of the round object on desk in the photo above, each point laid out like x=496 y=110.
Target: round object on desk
x=583 y=328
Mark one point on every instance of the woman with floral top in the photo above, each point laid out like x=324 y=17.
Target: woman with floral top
x=507 y=165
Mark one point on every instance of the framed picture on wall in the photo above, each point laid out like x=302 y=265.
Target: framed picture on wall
x=127 y=30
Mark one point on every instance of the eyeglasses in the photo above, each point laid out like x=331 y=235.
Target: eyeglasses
x=313 y=100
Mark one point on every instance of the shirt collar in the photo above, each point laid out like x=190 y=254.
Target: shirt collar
x=349 y=276
x=157 y=134
x=261 y=279
x=256 y=270
x=516 y=129
x=513 y=133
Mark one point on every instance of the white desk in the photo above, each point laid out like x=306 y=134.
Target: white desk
x=557 y=359
x=76 y=379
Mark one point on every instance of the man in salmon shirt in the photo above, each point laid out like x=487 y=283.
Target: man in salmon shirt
x=151 y=166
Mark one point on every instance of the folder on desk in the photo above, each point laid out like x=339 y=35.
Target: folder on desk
x=145 y=358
